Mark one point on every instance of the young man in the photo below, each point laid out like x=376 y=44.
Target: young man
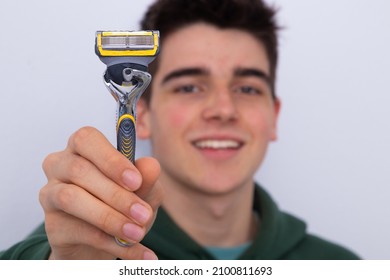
x=210 y=114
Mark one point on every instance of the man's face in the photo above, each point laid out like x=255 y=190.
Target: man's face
x=211 y=114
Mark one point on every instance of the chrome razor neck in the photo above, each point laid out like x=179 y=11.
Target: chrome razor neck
x=128 y=89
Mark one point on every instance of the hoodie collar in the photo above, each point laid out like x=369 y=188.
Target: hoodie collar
x=278 y=233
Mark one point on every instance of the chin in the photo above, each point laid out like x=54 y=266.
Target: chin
x=222 y=187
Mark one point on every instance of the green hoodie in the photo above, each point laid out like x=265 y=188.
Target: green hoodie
x=281 y=236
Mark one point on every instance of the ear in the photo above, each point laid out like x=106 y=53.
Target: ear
x=277 y=105
x=143 y=120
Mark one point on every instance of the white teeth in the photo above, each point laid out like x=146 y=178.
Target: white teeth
x=217 y=144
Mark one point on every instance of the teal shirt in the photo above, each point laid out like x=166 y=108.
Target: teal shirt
x=229 y=253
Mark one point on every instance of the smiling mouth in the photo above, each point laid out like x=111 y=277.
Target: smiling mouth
x=217 y=144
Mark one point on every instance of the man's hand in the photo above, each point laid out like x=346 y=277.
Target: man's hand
x=94 y=193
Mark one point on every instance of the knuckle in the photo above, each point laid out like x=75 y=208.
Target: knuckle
x=80 y=137
x=43 y=196
x=77 y=168
x=65 y=196
x=117 y=197
x=49 y=161
x=114 y=161
x=105 y=221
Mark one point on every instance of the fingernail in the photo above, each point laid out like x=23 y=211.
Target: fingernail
x=133 y=232
x=150 y=256
x=131 y=179
x=139 y=213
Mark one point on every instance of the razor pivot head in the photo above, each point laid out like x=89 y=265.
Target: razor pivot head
x=135 y=47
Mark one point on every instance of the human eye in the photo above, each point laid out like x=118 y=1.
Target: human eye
x=187 y=88
x=248 y=90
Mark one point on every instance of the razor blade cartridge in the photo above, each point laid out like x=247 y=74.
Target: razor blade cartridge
x=127 y=43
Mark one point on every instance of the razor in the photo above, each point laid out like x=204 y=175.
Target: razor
x=127 y=55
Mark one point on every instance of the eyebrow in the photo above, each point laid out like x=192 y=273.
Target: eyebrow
x=253 y=72
x=185 y=72
x=198 y=71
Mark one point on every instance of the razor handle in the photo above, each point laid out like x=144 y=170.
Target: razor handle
x=126 y=136
x=126 y=145
x=126 y=82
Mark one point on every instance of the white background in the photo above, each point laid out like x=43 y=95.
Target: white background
x=329 y=166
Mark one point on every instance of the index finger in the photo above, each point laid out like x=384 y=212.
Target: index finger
x=92 y=145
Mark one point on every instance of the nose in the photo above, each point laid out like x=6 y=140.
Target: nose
x=220 y=106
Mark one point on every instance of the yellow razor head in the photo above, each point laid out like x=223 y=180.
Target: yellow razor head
x=127 y=43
